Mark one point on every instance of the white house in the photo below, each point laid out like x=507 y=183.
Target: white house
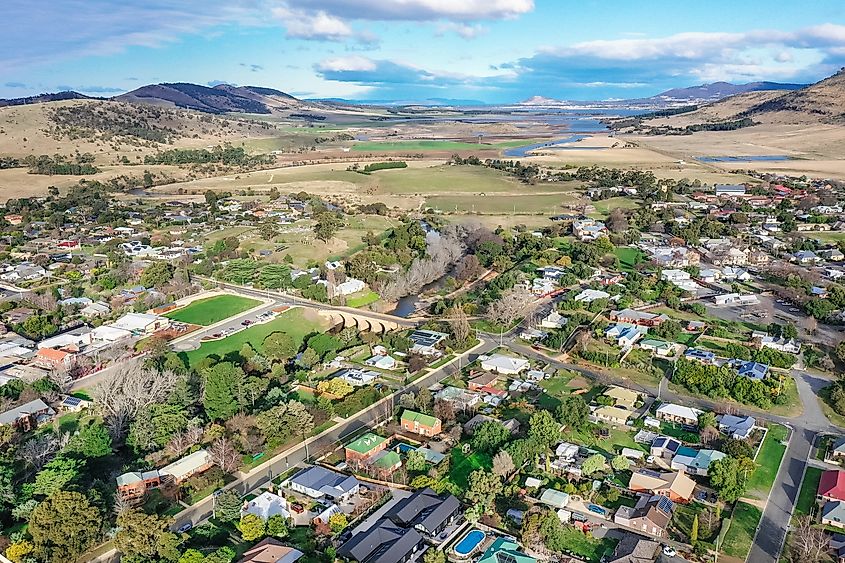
x=350 y=286
x=678 y=413
x=736 y=299
x=141 y=323
x=357 y=377
x=506 y=365
x=95 y=309
x=554 y=320
x=674 y=275
x=590 y=295
x=267 y=505
x=318 y=482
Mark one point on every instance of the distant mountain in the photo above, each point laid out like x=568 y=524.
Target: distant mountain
x=41 y=98
x=720 y=90
x=540 y=101
x=822 y=101
x=223 y=98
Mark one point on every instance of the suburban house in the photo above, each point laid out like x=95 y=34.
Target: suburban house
x=833 y=513
x=679 y=414
x=665 y=447
x=613 y=415
x=27 y=416
x=141 y=324
x=624 y=334
x=554 y=498
x=675 y=485
x=419 y=423
x=658 y=347
x=458 y=398
x=505 y=550
x=832 y=485
x=674 y=275
x=703 y=356
x=188 y=466
x=365 y=447
x=270 y=550
x=425 y=511
x=736 y=299
x=553 y=320
x=357 y=377
x=135 y=484
x=590 y=295
x=484 y=379
x=836 y=451
x=425 y=342
x=383 y=542
x=651 y=515
x=779 y=344
x=697 y=464
x=505 y=365
x=753 y=370
x=318 y=482
x=623 y=397
x=642 y=318
x=634 y=549
x=53 y=358
x=737 y=427
x=267 y=505
x=730 y=190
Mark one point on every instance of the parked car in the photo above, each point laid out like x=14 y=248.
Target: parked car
x=669 y=551
x=298 y=508
x=185 y=527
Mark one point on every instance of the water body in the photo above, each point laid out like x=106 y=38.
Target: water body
x=522 y=152
x=762 y=158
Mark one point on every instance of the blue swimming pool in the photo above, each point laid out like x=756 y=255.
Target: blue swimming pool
x=469 y=543
x=405 y=448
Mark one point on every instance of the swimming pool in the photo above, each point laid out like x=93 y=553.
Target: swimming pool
x=469 y=543
x=405 y=448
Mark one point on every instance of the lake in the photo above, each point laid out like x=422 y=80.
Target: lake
x=760 y=158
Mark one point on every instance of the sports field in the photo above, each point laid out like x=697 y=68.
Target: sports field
x=208 y=311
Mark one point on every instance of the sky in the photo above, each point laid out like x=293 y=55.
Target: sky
x=493 y=51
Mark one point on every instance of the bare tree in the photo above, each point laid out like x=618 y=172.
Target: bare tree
x=458 y=323
x=503 y=464
x=809 y=542
x=224 y=455
x=513 y=304
x=128 y=390
x=181 y=441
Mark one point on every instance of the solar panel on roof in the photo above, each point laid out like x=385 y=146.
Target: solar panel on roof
x=665 y=504
x=72 y=401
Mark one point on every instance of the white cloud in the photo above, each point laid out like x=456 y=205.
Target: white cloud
x=467 y=31
x=347 y=64
x=312 y=25
x=419 y=10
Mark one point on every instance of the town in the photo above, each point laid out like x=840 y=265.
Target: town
x=183 y=382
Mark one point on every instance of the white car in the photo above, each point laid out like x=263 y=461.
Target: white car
x=669 y=551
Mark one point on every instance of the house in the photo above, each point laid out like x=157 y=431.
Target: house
x=729 y=190
x=590 y=295
x=482 y=380
x=554 y=498
x=365 y=447
x=554 y=320
x=425 y=342
x=660 y=348
x=665 y=447
x=832 y=485
x=270 y=550
x=737 y=427
x=732 y=273
x=459 y=398
x=833 y=514
x=836 y=452
x=267 y=505
x=651 y=515
x=703 y=356
x=27 y=416
x=505 y=550
x=780 y=344
x=357 y=377
x=107 y=334
x=381 y=362
x=52 y=358
x=613 y=415
x=425 y=511
x=622 y=396
x=675 y=275
x=634 y=549
x=141 y=324
x=419 y=423
x=506 y=365
x=188 y=466
x=511 y=424
x=350 y=286
x=642 y=318
x=736 y=299
x=697 y=464
x=679 y=414
x=318 y=482
x=383 y=542
x=624 y=334
x=588 y=229
x=753 y=370
x=675 y=485
x=831 y=254
x=95 y=309
x=135 y=484
x=804 y=257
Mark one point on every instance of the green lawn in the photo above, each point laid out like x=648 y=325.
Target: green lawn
x=675 y=431
x=615 y=441
x=629 y=257
x=587 y=547
x=211 y=310
x=740 y=536
x=462 y=466
x=362 y=298
x=809 y=488
x=292 y=322
x=768 y=462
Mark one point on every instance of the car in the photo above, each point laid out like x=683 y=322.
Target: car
x=298 y=508
x=579 y=517
x=185 y=527
x=669 y=551
x=246 y=322
x=702 y=495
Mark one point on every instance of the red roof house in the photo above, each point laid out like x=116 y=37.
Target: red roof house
x=832 y=485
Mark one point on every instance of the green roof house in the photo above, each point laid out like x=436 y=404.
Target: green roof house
x=419 y=423
x=365 y=447
x=505 y=551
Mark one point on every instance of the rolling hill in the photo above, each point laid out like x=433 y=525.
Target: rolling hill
x=823 y=101
x=222 y=98
x=720 y=90
x=42 y=98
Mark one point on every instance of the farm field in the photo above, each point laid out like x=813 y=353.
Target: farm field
x=547 y=204
x=295 y=322
x=208 y=311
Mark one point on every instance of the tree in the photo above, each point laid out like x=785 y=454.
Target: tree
x=512 y=305
x=489 y=436
x=706 y=420
x=595 y=462
x=63 y=526
x=280 y=346
x=141 y=534
x=729 y=477
x=434 y=556
x=503 y=464
x=220 y=391
x=483 y=489
x=620 y=463
x=543 y=429
x=338 y=522
x=93 y=440
x=223 y=454
x=251 y=527
x=17 y=551
x=227 y=505
x=458 y=323
x=415 y=461
x=335 y=386
x=192 y=556
x=156 y=425
x=326 y=225
x=56 y=474
x=573 y=412
x=693 y=534
x=277 y=526
x=157 y=274
x=808 y=542
x=309 y=358
x=285 y=420
x=617 y=222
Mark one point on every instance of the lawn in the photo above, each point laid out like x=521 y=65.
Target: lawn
x=616 y=440
x=740 y=536
x=292 y=322
x=362 y=298
x=831 y=414
x=462 y=466
x=605 y=206
x=558 y=385
x=629 y=257
x=211 y=310
x=809 y=488
x=524 y=203
x=676 y=431
x=587 y=547
x=768 y=460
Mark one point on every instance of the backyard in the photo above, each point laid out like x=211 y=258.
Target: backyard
x=588 y=547
x=211 y=310
x=463 y=465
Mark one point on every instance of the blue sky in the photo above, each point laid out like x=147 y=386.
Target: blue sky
x=488 y=50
